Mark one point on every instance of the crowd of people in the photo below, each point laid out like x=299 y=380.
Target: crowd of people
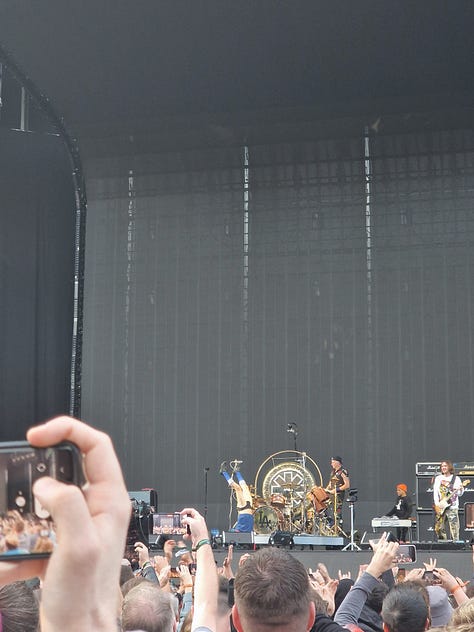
x=86 y=584
x=25 y=534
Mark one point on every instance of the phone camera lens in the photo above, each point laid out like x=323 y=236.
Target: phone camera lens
x=20 y=501
x=41 y=467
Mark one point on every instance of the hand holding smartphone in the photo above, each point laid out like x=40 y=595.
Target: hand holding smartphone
x=406 y=553
x=27 y=530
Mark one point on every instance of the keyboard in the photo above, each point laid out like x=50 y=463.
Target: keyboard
x=390 y=522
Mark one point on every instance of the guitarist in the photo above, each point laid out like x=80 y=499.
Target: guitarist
x=447 y=488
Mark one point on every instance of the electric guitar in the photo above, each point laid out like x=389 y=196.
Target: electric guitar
x=445 y=502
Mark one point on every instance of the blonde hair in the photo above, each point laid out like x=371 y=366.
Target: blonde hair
x=463 y=617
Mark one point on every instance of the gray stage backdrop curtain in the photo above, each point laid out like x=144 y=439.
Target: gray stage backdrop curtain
x=352 y=318
x=36 y=280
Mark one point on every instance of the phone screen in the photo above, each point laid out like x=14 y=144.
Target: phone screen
x=168 y=524
x=406 y=553
x=26 y=528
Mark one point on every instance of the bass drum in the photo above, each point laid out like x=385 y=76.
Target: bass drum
x=266 y=520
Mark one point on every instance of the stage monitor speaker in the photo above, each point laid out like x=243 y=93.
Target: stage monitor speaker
x=237 y=537
x=281 y=538
x=146 y=496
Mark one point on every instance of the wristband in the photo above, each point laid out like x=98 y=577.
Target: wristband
x=201 y=543
x=453 y=589
x=147 y=563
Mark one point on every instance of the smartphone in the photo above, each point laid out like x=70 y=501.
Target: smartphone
x=431 y=578
x=26 y=528
x=169 y=524
x=406 y=552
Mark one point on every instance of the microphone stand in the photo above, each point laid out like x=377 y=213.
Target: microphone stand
x=352 y=546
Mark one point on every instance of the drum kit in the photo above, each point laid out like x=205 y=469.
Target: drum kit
x=290 y=498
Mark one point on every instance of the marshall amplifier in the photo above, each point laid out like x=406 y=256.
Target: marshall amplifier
x=425 y=526
x=428 y=469
x=424 y=493
x=464 y=468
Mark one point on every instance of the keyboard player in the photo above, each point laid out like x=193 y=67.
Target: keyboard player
x=402 y=510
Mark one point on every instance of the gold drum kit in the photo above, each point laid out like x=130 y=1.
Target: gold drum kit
x=288 y=495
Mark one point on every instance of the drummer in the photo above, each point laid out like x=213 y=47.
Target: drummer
x=244 y=522
x=336 y=488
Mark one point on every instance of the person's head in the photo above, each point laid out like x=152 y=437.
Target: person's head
x=336 y=462
x=447 y=468
x=341 y=591
x=19 y=608
x=376 y=596
x=11 y=540
x=272 y=590
x=127 y=585
x=126 y=572
x=43 y=544
x=463 y=616
x=406 y=607
x=440 y=608
x=402 y=489
x=146 y=607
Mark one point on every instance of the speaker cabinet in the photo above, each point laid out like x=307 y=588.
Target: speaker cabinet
x=424 y=493
x=425 y=526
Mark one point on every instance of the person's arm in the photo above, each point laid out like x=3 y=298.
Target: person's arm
x=227 y=564
x=352 y=604
x=206 y=581
x=451 y=585
x=392 y=512
x=323 y=623
x=168 y=547
x=436 y=485
x=382 y=560
x=73 y=597
x=458 y=486
x=146 y=566
x=346 y=482
x=185 y=607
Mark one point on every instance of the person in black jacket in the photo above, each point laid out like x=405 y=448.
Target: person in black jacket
x=402 y=509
